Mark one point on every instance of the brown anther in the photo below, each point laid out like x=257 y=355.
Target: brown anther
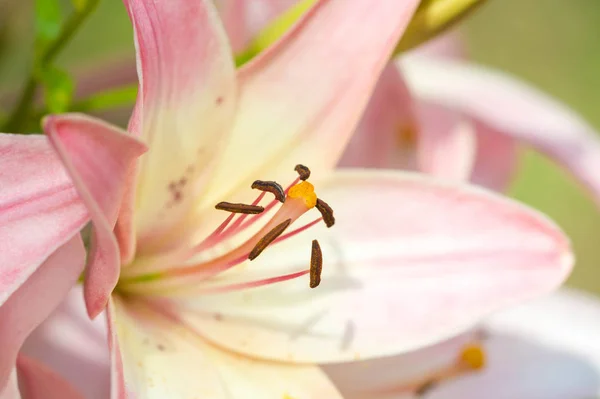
x=271 y=187
x=269 y=238
x=316 y=264
x=303 y=171
x=239 y=208
x=326 y=212
x=425 y=388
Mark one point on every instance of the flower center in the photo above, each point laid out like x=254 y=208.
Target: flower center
x=182 y=272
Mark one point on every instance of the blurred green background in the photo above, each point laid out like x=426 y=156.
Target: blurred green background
x=552 y=44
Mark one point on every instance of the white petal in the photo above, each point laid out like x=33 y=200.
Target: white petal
x=163 y=359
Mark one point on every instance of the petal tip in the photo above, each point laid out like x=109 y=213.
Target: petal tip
x=95 y=303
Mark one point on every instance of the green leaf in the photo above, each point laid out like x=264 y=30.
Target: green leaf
x=433 y=18
x=58 y=89
x=48 y=20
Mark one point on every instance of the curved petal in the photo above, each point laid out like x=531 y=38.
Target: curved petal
x=301 y=99
x=73 y=346
x=496 y=159
x=36 y=381
x=185 y=106
x=513 y=108
x=400 y=376
x=36 y=299
x=163 y=359
x=379 y=140
x=98 y=157
x=545 y=349
x=125 y=230
x=446 y=143
x=39 y=208
x=409 y=262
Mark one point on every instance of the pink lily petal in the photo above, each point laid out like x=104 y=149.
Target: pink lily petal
x=73 y=346
x=496 y=159
x=301 y=99
x=118 y=390
x=39 y=208
x=161 y=358
x=404 y=247
x=11 y=388
x=37 y=381
x=513 y=108
x=234 y=14
x=378 y=140
x=125 y=231
x=36 y=299
x=446 y=143
x=98 y=157
x=185 y=107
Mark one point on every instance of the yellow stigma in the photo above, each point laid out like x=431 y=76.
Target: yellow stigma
x=304 y=191
x=473 y=356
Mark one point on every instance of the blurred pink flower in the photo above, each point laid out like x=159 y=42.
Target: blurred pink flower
x=545 y=349
x=433 y=112
x=177 y=284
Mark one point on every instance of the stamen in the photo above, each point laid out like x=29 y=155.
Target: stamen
x=326 y=212
x=269 y=238
x=316 y=264
x=426 y=388
x=473 y=357
x=255 y=283
x=303 y=171
x=271 y=187
x=239 y=208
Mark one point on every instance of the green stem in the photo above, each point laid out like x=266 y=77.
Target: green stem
x=18 y=117
x=67 y=31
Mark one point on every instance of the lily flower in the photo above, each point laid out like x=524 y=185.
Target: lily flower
x=41 y=257
x=215 y=302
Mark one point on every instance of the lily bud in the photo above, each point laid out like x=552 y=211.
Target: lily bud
x=432 y=18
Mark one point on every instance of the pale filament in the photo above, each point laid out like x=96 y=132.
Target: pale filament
x=470 y=359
